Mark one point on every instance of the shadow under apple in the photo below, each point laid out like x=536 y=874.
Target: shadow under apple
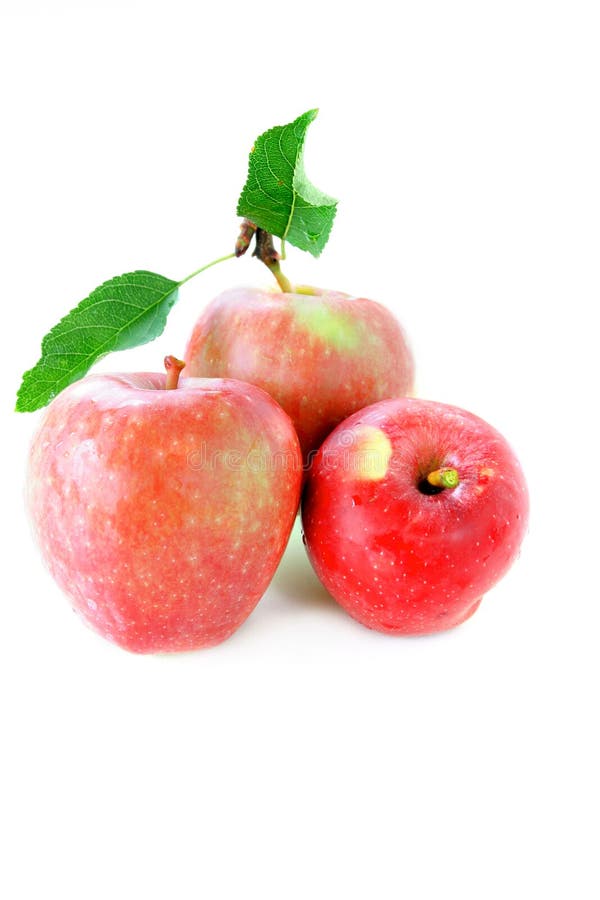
x=296 y=581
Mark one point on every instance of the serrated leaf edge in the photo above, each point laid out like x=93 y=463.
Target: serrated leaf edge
x=331 y=205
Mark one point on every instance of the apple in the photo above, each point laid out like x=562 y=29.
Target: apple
x=163 y=513
x=411 y=512
x=321 y=354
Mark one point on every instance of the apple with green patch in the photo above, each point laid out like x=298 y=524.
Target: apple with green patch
x=321 y=355
x=161 y=508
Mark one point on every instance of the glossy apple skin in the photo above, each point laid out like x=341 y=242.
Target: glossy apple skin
x=163 y=514
x=398 y=560
x=321 y=357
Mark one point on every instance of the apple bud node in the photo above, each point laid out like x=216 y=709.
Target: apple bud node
x=247 y=231
x=266 y=252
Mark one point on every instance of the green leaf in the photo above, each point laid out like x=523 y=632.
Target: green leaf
x=278 y=197
x=126 y=311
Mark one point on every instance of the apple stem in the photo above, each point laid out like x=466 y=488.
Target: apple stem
x=266 y=252
x=443 y=478
x=173 y=367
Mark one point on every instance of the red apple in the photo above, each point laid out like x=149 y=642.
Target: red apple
x=163 y=514
x=412 y=511
x=322 y=356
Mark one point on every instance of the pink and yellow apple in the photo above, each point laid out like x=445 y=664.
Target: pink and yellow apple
x=322 y=356
x=163 y=514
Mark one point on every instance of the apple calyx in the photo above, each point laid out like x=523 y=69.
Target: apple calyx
x=442 y=478
x=173 y=367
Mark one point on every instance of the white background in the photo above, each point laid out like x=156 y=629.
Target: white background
x=308 y=757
